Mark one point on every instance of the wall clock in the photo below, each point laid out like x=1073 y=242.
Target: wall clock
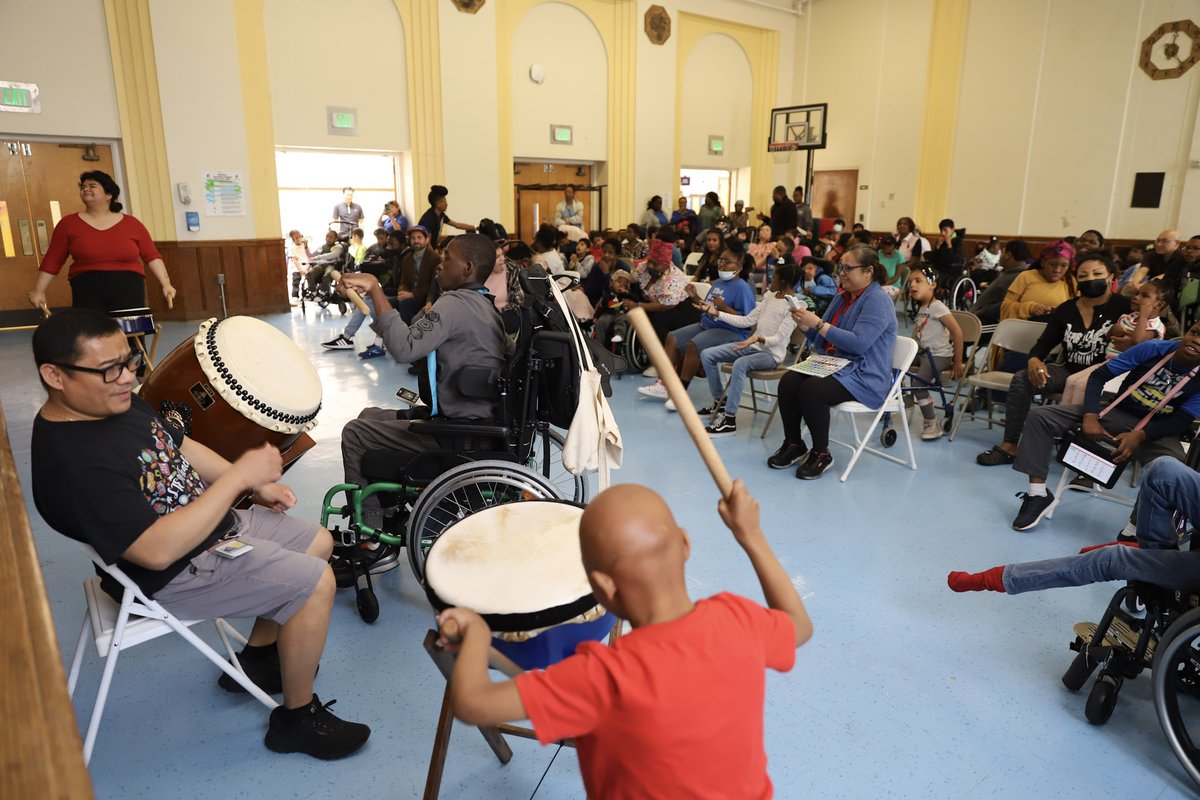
x=1171 y=50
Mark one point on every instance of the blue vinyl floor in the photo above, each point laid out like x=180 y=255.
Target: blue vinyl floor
x=906 y=689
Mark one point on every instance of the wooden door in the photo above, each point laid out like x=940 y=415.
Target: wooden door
x=549 y=174
x=40 y=185
x=834 y=194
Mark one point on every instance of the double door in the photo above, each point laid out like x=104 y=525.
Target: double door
x=39 y=184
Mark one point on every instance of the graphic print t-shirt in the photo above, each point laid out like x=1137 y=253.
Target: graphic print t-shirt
x=104 y=482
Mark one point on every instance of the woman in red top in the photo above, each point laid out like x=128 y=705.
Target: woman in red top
x=106 y=248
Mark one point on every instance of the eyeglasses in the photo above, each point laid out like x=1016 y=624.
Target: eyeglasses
x=727 y=261
x=108 y=374
x=845 y=268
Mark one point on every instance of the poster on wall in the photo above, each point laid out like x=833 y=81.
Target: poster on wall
x=223 y=196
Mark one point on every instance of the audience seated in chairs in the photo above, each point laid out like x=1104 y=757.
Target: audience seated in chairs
x=816 y=286
x=1014 y=259
x=462 y=329
x=893 y=264
x=765 y=349
x=859 y=325
x=729 y=293
x=1038 y=291
x=1159 y=400
x=665 y=286
x=110 y=472
x=622 y=294
x=1080 y=328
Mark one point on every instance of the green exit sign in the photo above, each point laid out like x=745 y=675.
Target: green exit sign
x=561 y=134
x=20 y=97
x=716 y=145
x=341 y=121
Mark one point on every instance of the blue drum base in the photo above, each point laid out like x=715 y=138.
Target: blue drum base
x=555 y=644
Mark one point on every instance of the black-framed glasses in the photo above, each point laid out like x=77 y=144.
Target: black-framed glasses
x=845 y=268
x=109 y=374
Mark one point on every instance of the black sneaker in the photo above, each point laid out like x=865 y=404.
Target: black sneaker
x=994 y=458
x=342 y=342
x=382 y=559
x=709 y=409
x=814 y=466
x=314 y=731
x=1033 y=508
x=261 y=665
x=788 y=455
x=722 y=425
x=1081 y=483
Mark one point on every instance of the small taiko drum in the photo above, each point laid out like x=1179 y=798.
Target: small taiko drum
x=134 y=321
x=237 y=384
x=519 y=566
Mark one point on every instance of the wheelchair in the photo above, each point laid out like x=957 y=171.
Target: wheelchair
x=478 y=464
x=316 y=286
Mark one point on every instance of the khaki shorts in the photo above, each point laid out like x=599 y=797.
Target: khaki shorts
x=271 y=581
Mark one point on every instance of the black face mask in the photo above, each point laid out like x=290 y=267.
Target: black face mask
x=1093 y=288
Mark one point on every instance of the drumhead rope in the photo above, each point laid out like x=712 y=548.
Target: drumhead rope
x=248 y=362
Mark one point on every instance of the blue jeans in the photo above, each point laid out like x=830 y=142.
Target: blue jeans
x=358 y=317
x=1168 y=485
x=705 y=338
x=744 y=360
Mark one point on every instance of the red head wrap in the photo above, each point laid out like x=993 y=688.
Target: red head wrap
x=660 y=252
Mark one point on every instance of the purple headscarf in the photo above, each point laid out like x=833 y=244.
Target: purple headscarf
x=1058 y=249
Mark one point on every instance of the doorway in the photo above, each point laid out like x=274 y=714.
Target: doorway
x=39 y=185
x=311 y=182
x=835 y=194
x=694 y=184
x=539 y=188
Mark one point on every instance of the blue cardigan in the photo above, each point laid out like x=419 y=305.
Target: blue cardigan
x=866 y=334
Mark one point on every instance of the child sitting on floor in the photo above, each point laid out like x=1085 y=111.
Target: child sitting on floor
x=765 y=349
x=622 y=294
x=675 y=707
x=938 y=335
x=1152 y=300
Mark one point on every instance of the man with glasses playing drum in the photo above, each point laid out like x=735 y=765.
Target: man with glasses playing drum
x=111 y=473
x=674 y=708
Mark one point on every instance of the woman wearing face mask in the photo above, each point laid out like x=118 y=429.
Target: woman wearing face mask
x=1038 y=291
x=731 y=294
x=1080 y=327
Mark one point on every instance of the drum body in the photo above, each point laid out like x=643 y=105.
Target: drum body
x=519 y=566
x=134 y=321
x=237 y=384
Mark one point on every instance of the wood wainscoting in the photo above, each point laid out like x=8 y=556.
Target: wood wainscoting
x=255 y=273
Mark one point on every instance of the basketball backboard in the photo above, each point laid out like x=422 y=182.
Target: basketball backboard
x=798 y=127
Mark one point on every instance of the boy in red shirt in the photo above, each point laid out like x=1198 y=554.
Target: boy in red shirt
x=675 y=707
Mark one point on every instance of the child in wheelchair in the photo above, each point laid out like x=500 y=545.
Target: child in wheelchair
x=609 y=320
x=940 y=347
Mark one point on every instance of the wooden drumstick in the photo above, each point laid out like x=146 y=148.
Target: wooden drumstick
x=449 y=630
x=354 y=296
x=679 y=395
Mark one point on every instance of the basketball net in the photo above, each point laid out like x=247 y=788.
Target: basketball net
x=781 y=152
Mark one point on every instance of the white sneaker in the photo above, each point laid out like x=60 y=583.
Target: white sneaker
x=671 y=405
x=342 y=342
x=932 y=429
x=649 y=372
x=656 y=390
x=617 y=338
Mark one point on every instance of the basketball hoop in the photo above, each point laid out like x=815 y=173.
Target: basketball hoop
x=782 y=151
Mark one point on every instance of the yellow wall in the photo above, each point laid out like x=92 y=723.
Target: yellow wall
x=715 y=60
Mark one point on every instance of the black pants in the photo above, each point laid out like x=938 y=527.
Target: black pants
x=106 y=291
x=674 y=318
x=807 y=399
x=408 y=308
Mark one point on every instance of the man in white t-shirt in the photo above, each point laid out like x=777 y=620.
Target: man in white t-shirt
x=569 y=211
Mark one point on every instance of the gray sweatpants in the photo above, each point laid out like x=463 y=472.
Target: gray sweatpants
x=1046 y=423
x=378 y=429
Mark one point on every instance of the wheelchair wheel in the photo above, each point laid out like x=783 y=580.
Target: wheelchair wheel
x=368 y=605
x=635 y=355
x=887 y=437
x=463 y=490
x=1102 y=699
x=963 y=295
x=1176 y=681
x=570 y=486
x=1078 y=673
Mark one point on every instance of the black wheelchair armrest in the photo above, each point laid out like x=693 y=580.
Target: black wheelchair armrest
x=444 y=428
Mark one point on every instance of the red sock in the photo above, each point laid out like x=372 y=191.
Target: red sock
x=991 y=580
x=1092 y=547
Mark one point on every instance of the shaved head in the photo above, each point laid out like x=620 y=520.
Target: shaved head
x=633 y=550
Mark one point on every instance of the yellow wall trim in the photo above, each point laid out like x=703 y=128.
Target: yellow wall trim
x=947 y=48
x=761 y=46
x=135 y=73
x=424 y=57
x=250 y=26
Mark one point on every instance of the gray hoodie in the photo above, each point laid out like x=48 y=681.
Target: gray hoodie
x=465 y=329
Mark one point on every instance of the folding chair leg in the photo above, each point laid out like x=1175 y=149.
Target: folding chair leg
x=770 y=419
x=753 y=395
x=912 y=457
x=77 y=661
x=222 y=664
x=1059 y=490
x=110 y=665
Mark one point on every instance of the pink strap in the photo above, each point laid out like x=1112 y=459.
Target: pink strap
x=1174 y=390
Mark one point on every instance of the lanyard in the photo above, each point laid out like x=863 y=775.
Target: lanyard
x=1174 y=390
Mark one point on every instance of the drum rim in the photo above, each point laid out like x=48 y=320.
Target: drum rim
x=239 y=396
x=525 y=620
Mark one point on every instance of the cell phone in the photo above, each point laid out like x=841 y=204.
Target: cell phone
x=232 y=548
x=408 y=396
x=793 y=301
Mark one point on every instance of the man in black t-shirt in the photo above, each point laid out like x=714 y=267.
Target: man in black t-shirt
x=110 y=472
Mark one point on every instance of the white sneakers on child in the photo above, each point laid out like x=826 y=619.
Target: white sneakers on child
x=931 y=429
x=656 y=390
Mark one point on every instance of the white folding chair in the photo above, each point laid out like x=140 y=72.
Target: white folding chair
x=689 y=263
x=1011 y=335
x=116 y=627
x=702 y=289
x=903 y=353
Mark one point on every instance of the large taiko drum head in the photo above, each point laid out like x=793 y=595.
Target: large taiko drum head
x=518 y=565
x=237 y=384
